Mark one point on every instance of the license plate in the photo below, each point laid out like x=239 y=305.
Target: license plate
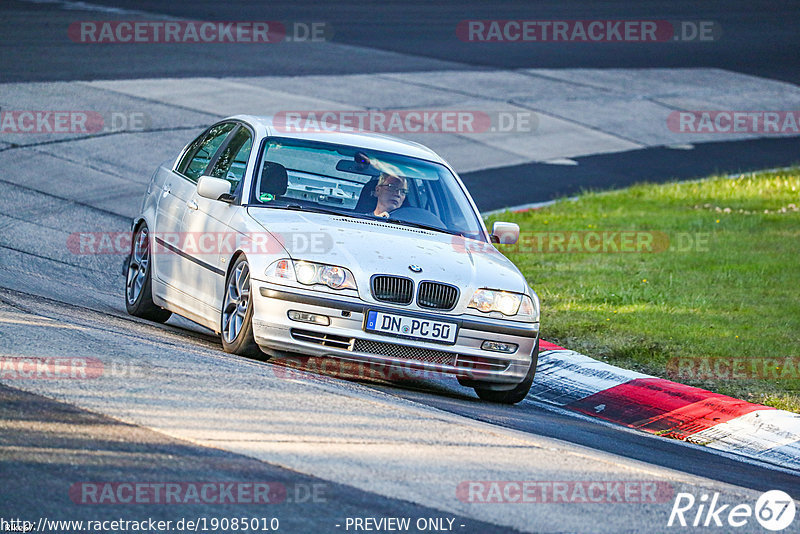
x=411 y=327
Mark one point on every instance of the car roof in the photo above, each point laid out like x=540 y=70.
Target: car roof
x=275 y=126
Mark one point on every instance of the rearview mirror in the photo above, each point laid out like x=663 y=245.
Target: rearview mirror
x=213 y=188
x=505 y=233
x=358 y=165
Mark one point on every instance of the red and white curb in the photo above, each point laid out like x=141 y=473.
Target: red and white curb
x=578 y=383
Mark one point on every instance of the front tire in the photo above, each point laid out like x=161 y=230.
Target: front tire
x=138 y=280
x=518 y=394
x=236 y=322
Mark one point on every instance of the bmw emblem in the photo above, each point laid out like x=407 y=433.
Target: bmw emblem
x=415 y=268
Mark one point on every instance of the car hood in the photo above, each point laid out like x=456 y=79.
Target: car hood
x=369 y=247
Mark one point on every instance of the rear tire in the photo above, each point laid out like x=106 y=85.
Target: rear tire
x=518 y=394
x=138 y=280
x=236 y=321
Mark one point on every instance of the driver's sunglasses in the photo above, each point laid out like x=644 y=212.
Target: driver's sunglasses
x=396 y=189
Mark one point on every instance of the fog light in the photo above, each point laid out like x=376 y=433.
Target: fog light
x=496 y=346
x=305 y=317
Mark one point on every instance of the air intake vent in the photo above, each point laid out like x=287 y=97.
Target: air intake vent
x=326 y=340
x=394 y=289
x=437 y=296
x=478 y=364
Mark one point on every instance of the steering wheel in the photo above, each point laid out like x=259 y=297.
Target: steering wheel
x=417 y=215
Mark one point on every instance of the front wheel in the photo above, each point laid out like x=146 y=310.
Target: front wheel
x=513 y=396
x=138 y=285
x=236 y=328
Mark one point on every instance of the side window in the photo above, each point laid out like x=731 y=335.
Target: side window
x=200 y=153
x=232 y=164
x=189 y=153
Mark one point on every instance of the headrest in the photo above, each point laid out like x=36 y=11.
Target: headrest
x=274 y=179
x=366 y=202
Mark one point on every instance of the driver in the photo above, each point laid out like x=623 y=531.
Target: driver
x=390 y=191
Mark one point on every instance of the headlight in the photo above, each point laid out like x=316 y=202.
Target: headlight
x=281 y=270
x=309 y=274
x=529 y=307
x=306 y=273
x=335 y=277
x=505 y=302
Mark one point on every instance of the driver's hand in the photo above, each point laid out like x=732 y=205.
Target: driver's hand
x=384 y=214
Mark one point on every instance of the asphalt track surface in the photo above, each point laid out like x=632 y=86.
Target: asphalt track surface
x=180 y=415
x=42 y=478
x=756 y=39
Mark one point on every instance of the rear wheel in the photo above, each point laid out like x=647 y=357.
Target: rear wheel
x=236 y=328
x=138 y=285
x=512 y=396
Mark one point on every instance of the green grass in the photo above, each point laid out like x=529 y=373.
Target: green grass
x=733 y=293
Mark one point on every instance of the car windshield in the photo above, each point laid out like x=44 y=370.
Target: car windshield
x=357 y=182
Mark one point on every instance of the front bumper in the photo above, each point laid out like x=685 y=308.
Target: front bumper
x=346 y=339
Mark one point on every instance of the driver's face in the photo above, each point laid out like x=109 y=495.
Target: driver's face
x=391 y=193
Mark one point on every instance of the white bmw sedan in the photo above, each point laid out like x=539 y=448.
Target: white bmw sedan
x=354 y=246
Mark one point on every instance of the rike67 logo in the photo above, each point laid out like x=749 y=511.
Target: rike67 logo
x=774 y=510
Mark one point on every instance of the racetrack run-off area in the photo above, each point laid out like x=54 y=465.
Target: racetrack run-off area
x=576 y=382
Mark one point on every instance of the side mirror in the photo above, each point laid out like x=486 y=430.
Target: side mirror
x=214 y=188
x=505 y=233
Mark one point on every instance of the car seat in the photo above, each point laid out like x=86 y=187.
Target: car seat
x=274 y=179
x=367 y=202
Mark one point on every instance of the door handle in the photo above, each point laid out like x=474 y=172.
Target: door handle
x=166 y=188
x=192 y=205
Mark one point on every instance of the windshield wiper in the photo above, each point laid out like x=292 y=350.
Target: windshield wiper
x=314 y=209
x=419 y=225
x=298 y=207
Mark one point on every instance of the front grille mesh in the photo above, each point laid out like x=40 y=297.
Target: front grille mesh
x=403 y=352
x=437 y=296
x=394 y=289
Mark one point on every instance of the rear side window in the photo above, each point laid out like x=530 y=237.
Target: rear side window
x=202 y=150
x=232 y=163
